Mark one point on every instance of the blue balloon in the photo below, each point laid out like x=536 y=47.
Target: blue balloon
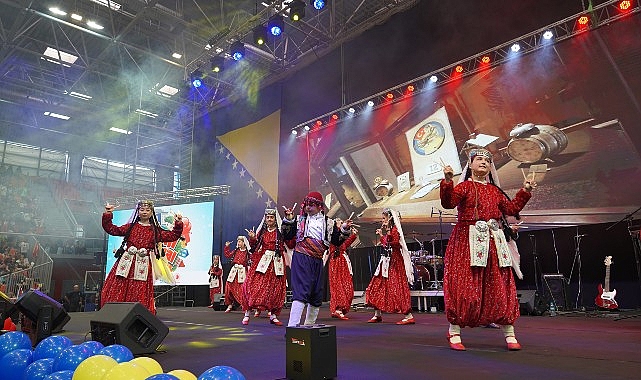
x=93 y=346
x=14 y=340
x=162 y=376
x=221 y=372
x=117 y=352
x=51 y=346
x=71 y=357
x=60 y=375
x=39 y=369
x=13 y=364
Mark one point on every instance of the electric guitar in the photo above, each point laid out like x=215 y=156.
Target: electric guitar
x=605 y=298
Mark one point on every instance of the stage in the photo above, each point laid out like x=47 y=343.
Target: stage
x=567 y=346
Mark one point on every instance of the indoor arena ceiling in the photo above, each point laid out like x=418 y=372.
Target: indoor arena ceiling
x=121 y=68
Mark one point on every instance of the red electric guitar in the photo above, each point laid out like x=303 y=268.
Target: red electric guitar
x=605 y=298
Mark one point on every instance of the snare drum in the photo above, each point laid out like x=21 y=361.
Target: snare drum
x=421 y=276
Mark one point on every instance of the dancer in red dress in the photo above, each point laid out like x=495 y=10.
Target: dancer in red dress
x=389 y=289
x=265 y=287
x=478 y=283
x=238 y=273
x=341 y=286
x=131 y=279
x=215 y=279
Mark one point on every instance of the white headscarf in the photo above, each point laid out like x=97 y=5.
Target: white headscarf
x=407 y=261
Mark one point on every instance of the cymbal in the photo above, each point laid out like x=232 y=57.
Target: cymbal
x=414 y=233
x=435 y=233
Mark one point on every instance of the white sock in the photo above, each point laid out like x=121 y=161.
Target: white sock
x=312 y=314
x=247 y=314
x=455 y=333
x=409 y=316
x=508 y=331
x=377 y=313
x=295 y=313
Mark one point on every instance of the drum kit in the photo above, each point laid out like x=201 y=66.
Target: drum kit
x=428 y=266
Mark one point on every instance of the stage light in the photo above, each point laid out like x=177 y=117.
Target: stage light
x=485 y=59
x=237 y=50
x=306 y=128
x=318 y=4
x=294 y=132
x=433 y=79
x=319 y=123
x=217 y=63
x=515 y=48
x=389 y=96
x=625 y=5
x=370 y=103
x=351 y=110
x=196 y=78
x=296 y=10
x=276 y=25
x=458 y=69
x=260 y=34
x=548 y=35
x=410 y=88
x=583 y=21
x=334 y=117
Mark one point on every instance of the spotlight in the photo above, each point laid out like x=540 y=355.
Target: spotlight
x=351 y=110
x=196 y=78
x=260 y=34
x=458 y=69
x=306 y=127
x=335 y=117
x=370 y=103
x=485 y=59
x=217 y=63
x=389 y=96
x=296 y=10
x=583 y=21
x=318 y=4
x=433 y=79
x=294 y=132
x=319 y=123
x=276 y=25
x=625 y=5
x=410 y=88
x=515 y=48
x=548 y=35
x=237 y=50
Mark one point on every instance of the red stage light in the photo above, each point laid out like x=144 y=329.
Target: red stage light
x=410 y=88
x=625 y=5
x=459 y=69
x=389 y=95
x=583 y=20
x=485 y=59
x=334 y=117
x=319 y=123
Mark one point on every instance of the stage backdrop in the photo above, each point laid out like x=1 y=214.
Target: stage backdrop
x=190 y=258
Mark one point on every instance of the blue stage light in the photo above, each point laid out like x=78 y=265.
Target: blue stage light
x=318 y=4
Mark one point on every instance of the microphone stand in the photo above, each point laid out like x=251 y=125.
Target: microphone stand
x=577 y=260
x=537 y=266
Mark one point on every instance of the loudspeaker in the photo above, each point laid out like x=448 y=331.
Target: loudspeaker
x=311 y=352
x=31 y=303
x=129 y=324
x=527 y=300
x=44 y=322
x=7 y=309
x=555 y=287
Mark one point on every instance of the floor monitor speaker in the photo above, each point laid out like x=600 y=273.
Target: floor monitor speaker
x=129 y=324
x=31 y=304
x=311 y=352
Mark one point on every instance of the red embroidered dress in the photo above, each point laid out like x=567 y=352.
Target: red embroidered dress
x=477 y=296
x=341 y=286
x=234 y=289
x=121 y=289
x=265 y=291
x=217 y=274
x=391 y=294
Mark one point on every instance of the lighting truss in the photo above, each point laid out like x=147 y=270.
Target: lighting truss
x=171 y=197
x=567 y=28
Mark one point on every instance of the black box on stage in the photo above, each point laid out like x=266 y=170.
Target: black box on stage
x=7 y=309
x=129 y=324
x=527 y=300
x=32 y=301
x=555 y=287
x=311 y=352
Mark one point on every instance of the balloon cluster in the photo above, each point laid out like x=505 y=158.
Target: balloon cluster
x=57 y=358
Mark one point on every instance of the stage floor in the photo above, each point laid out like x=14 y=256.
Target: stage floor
x=566 y=346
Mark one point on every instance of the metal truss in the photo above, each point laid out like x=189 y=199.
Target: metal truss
x=173 y=197
x=569 y=27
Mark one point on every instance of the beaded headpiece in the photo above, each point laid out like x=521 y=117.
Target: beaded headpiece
x=270 y=211
x=147 y=202
x=480 y=152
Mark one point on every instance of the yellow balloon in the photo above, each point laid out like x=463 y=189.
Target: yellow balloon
x=94 y=367
x=149 y=364
x=182 y=374
x=126 y=371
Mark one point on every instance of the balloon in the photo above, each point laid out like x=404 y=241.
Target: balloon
x=118 y=352
x=39 y=369
x=94 y=367
x=126 y=371
x=221 y=372
x=71 y=357
x=149 y=364
x=13 y=340
x=162 y=376
x=13 y=364
x=51 y=346
x=60 y=375
x=182 y=374
x=93 y=345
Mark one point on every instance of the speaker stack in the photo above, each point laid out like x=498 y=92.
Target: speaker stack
x=129 y=324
